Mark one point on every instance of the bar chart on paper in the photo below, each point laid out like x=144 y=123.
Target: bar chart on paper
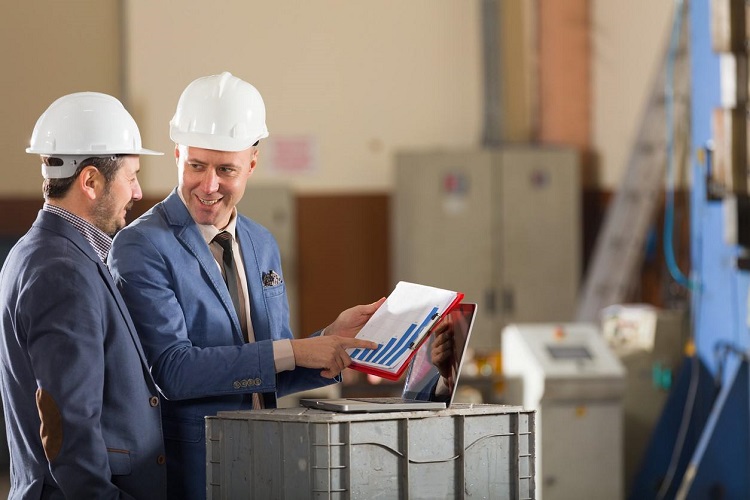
x=399 y=326
x=395 y=348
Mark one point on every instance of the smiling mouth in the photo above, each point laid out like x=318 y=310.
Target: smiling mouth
x=208 y=203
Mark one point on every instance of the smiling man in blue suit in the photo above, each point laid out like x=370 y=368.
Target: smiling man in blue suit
x=206 y=288
x=81 y=409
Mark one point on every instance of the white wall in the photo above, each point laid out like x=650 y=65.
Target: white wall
x=628 y=43
x=49 y=48
x=361 y=78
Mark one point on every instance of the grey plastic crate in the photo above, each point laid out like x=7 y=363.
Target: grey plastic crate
x=467 y=451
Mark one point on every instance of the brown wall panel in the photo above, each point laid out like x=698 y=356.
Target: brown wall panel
x=18 y=214
x=564 y=72
x=343 y=254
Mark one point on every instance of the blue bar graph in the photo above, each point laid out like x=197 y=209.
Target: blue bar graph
x=379 y=351
x=390 y=347
x=386 y=354
x=406 y=343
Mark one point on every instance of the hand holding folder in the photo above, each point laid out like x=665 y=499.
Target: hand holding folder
x=400 y=326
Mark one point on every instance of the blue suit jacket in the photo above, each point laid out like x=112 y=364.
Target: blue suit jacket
x=69 y=345
x=191 y=333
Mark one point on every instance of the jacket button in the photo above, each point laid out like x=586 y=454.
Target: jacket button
x=244 y=382
x=153 y=401
x=236 y=384
x=258 y=381
x=161 y=460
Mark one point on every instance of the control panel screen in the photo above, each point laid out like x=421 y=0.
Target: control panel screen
x=573 y=352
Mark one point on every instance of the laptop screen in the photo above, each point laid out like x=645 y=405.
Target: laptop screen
x=434 y=370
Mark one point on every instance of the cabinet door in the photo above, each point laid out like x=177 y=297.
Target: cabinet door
x=538 y=233
x=441 y=229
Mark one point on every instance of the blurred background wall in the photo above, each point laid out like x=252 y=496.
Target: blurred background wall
x=346 y=84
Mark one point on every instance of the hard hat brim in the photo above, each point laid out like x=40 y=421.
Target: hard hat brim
x=92 y=154
x=214 y=142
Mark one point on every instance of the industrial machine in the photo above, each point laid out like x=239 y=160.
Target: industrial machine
x=568 y=373
x=500 y=225
x=650 y=344
x=709 y=455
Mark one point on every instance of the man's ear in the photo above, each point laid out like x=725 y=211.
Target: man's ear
x=90 y=182
x=253 y=160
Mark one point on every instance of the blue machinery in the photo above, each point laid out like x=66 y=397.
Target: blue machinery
x=700 y=448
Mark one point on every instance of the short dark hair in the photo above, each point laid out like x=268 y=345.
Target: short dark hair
x=58 y=188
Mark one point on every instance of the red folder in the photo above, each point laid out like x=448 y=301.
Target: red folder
x=419 y=342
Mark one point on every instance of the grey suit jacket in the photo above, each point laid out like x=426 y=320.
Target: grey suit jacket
x=70 y=353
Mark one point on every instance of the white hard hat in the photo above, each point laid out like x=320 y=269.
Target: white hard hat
x=220 y=112
x=84 y=125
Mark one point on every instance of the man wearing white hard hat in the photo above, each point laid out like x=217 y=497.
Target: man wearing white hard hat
x=81 y=409
x=206 y=288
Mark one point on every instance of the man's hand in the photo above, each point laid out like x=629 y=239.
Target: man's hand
x=443 y=355
x=351 y=321
x=328 y=352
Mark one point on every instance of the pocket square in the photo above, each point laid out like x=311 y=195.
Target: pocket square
x=271 y=278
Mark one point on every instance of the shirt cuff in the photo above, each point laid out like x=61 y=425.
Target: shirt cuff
x=283 y=355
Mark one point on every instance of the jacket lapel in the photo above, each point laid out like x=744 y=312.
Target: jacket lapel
x=186 y=231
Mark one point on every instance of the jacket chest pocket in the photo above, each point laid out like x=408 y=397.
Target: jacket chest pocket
x=277 y=307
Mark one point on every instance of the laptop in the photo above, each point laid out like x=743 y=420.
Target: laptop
x=424 y=387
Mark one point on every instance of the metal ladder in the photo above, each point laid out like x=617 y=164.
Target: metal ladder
x=618 y=252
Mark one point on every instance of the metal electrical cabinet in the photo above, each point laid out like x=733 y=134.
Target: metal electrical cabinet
x=502 y=226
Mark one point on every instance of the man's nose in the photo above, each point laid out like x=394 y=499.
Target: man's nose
x=137 y=192
x=210 y=181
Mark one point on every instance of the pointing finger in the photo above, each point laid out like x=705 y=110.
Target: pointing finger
x=359 y=343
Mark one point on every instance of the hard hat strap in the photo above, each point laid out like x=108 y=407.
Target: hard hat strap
x=64 y=166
